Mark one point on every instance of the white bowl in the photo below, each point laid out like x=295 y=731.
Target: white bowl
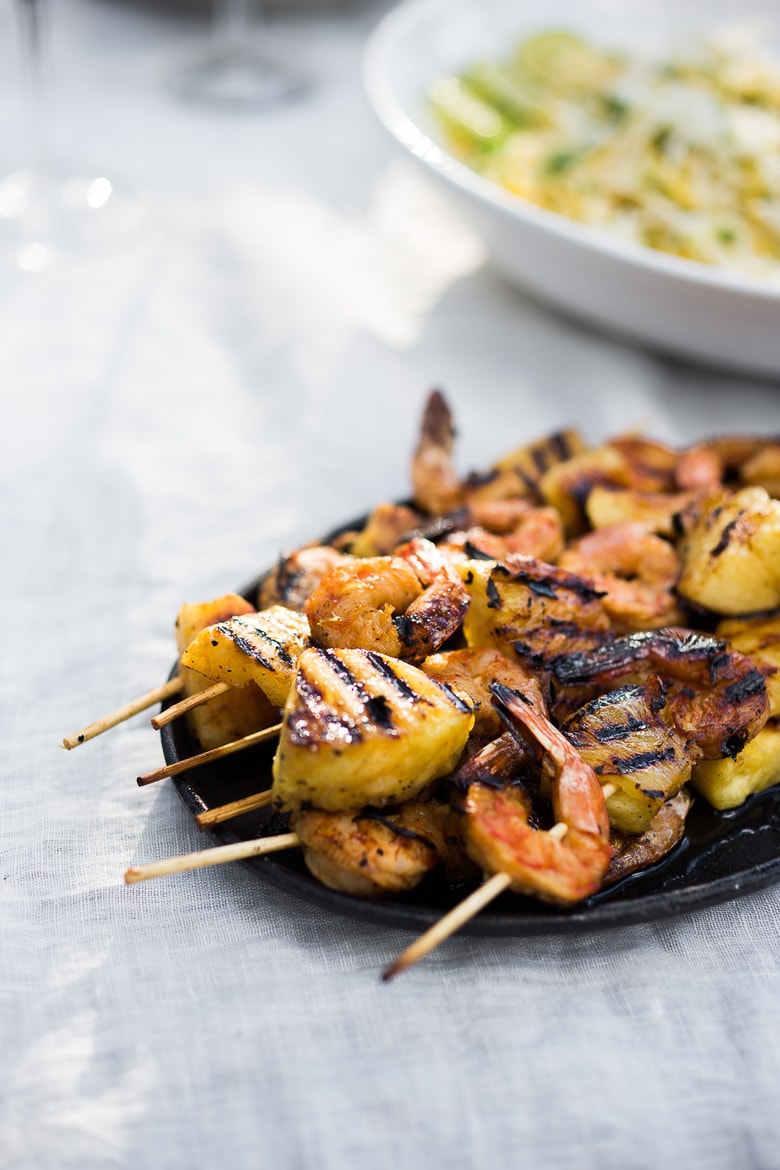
x=681 y=306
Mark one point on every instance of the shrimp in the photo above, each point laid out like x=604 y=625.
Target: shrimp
x=296 y=575
x=665 y=830
x=386 y=527
x=500 y=528
x=496 y=827
x=438 y=612
x=716 y=697
x=501 y=760
x=473 y=671
x=636 y=571
x=728 y=457
x=435 y=485
x=372 y=853
x=405 y=606
x=355 y=604
x=700 y=467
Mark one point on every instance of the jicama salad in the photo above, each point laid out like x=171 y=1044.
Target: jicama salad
x=679 y=154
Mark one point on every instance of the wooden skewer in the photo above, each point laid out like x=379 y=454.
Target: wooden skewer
x=189 y=704
x=457 y=917
x=447 y=925
x=216 y=753
x=204 y=857
x=158 y=695
x=226 y=812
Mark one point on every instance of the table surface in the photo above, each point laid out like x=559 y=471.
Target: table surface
x=244 y=371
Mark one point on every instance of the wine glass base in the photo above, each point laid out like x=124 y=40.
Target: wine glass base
x=236 y=79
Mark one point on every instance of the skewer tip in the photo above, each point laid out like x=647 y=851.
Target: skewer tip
x=395 y=968
x=71 y=741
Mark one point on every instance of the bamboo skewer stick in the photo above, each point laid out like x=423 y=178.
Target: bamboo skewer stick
x=457 y=917
x=236 y=808
x=189 y=704
x=217 y=753
x=205 y=857
x=447 y=925
x=157 y=695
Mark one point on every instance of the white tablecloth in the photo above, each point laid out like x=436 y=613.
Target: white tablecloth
x=244 y=372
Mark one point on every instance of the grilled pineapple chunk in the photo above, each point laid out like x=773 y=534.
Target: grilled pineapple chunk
x=759 y=639
x=728 y=783
x=259 y=648
x=532 y=608
x=567 y=485
x=230 y=716
x=192 y=618
x=362 y=729
x=607 y=506
x=626 y=742
x=532 y=461
x=731 y=556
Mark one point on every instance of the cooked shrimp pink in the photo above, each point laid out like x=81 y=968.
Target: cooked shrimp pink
x=435 y=485
x=405 y=606
x=370 y=854
x=634 y=570
x=472 y=672
x=550 y=865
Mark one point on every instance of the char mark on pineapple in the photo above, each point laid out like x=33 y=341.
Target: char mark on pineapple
x=726 y=535
x=385 y=669
x=316 y=721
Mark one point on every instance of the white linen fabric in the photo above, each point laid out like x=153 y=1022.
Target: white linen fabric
x=246 y=371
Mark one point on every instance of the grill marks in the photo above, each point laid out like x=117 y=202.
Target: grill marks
x=531 y=463
x=260 y=648
x=536 y=610
x=360 y=729
x=352 y=701
x=624 y=738
x=716 y=697
x=672 y=648
x=726 y=535
x=256 y=643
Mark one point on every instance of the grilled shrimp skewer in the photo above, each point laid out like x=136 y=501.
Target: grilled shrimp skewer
x=370 y=854
x=367 y=854
x=563 y=864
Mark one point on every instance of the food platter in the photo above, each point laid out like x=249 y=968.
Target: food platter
x=681 y=306
x=722 y=856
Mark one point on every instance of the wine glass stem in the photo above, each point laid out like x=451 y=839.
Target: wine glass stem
x=233 y=20
x=32 y=36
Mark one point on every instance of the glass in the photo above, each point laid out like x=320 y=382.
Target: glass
x=45 y=207
x=237 y=72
